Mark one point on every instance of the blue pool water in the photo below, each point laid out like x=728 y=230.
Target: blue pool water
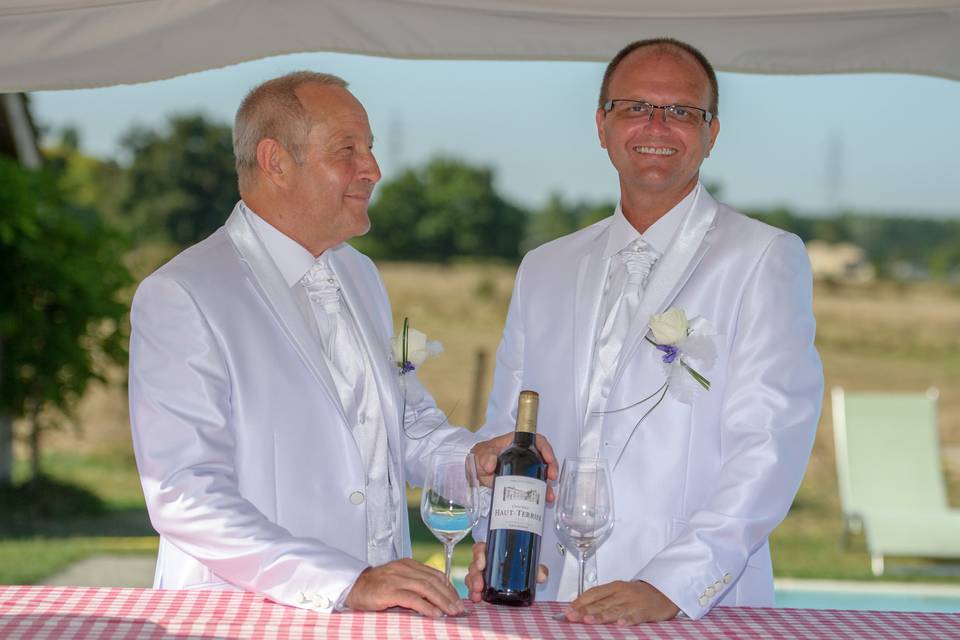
x=863 y=601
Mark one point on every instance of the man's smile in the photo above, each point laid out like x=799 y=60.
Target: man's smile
x=657 y=151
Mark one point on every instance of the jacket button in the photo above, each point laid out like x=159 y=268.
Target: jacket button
x=708 y=591
x=356 y=497
x=703 y=600
x=560 y=549
x=727 y=578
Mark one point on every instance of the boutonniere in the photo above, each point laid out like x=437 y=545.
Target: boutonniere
x=411 y=348
x=685 y=345
x=683 y=349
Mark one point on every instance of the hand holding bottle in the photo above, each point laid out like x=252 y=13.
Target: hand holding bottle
x=474 y=579
x=488 y=451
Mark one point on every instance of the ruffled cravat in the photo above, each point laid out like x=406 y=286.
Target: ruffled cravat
x=322 y=286
x=638 y=257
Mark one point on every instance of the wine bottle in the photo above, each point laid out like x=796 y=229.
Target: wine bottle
x=516 y=514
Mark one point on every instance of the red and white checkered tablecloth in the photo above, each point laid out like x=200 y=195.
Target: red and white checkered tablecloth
x=67 y=613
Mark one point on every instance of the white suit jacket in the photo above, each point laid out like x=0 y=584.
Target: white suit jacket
x=699 y=486
x=249 y=467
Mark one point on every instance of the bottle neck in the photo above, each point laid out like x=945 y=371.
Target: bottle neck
x=524 y=439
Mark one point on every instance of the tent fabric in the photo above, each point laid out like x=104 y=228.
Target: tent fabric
x=61 y=44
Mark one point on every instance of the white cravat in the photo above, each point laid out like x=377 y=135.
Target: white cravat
x=359 y=396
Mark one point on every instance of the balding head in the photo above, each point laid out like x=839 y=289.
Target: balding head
x=273 y=110
x=666 y=46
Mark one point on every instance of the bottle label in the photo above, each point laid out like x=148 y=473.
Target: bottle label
x=518 y=503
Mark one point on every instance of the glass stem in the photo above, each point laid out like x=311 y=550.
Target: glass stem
x=583 y=563
x=448 y=562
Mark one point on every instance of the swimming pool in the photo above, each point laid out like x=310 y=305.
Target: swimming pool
x=863 y=596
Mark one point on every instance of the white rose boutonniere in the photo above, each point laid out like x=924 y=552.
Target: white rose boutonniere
x=670 y=327
x=411 y=348
x=685 y=345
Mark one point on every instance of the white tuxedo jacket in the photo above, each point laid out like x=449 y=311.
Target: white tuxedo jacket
x=249 y=467
x=700 y=486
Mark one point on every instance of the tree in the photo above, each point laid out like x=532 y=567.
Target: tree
x=87 y=182
x=443 y=210
x=61 y=319
x=559 y=217
x=181 y=182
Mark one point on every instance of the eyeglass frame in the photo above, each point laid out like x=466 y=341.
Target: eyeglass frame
x=708 y=116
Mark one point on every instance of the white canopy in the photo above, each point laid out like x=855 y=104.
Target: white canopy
x=58 y=44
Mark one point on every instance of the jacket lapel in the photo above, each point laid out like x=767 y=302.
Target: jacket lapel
x=268 y=282
x=591 y=275
x=360 y=298
x=678 y=264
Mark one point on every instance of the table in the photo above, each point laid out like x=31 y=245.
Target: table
x=39 y=613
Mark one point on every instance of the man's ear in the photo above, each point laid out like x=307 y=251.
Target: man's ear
x=273 y=161
x=714 y=132
x=601 y=118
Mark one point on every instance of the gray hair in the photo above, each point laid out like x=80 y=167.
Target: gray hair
x=273 y=110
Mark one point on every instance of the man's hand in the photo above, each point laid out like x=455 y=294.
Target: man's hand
x=404 y=583
x=474 y=579
x=623 y=603
x=487 y=451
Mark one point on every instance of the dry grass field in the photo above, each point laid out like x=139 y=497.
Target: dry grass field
x=880 y=337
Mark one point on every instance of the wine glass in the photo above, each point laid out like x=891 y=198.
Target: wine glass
x=450 y=504
x=584 y=509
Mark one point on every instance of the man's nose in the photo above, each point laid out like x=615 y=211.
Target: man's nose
x=370 y=170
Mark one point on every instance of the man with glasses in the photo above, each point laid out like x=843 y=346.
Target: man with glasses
x=673 y=339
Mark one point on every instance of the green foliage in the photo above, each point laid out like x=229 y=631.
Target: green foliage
x=43 y=498
x=61 y=319
x=181 y=181
x=932 y=245
x=558 y=218
x=88 y=182
x=443 y=210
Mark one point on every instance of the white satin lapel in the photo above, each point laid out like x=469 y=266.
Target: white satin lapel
x=591 y=275
x=675 y=268
x=359 y=297
x=269 y=283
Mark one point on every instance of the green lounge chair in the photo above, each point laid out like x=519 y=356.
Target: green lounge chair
x=890 y=475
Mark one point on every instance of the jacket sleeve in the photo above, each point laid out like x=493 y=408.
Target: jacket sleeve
x=183 y=437
x=773 y=392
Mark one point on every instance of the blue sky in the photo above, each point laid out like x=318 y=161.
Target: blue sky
x=878 y=143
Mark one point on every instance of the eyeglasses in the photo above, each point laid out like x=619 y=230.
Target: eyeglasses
x=678 y=113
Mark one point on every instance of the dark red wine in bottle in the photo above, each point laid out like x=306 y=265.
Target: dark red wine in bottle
x=516 y=514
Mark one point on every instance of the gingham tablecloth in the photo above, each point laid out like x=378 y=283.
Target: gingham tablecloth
x=39 y=613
